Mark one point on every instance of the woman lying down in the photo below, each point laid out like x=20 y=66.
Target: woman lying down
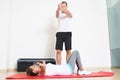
x=52 y=69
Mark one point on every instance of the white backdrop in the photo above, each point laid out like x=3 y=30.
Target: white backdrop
x=30 y=27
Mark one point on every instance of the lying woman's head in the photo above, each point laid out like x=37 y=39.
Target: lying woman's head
x=33 y=70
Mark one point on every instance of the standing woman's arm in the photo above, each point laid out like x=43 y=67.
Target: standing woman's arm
x=67 y=12
x=57 y=11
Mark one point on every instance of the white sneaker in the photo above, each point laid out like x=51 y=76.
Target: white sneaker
x=84 y=72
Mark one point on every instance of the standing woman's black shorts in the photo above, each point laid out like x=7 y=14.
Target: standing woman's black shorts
x=63 y=37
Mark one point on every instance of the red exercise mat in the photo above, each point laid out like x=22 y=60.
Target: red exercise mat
x=93 y=74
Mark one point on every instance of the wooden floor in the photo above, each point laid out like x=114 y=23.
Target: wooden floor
x=116 y=76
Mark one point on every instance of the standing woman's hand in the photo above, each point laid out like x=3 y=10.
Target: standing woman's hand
x=59 y=7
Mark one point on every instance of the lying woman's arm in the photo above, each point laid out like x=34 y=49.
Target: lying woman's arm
x=43 y=68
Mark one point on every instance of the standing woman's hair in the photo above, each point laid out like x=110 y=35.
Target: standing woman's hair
x=64 y=2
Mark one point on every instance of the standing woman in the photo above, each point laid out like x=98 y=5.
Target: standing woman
x=64 y=32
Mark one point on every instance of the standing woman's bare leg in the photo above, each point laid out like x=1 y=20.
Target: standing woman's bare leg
x=68 y=54
x=58 y=57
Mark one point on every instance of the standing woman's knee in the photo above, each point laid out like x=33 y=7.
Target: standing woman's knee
x=58 y=51
x=68 y=51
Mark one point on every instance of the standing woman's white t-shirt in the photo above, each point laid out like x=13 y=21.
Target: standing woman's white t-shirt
x=64 y=23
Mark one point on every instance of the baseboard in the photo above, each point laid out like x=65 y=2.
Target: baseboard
x=8 y=70
x=98 y=68
x=116 y=67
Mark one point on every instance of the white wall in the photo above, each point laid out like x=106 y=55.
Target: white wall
x=91 y=32
x=33 y=25
x=4 y=26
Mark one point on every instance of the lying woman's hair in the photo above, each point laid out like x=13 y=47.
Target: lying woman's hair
x=29 y=71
